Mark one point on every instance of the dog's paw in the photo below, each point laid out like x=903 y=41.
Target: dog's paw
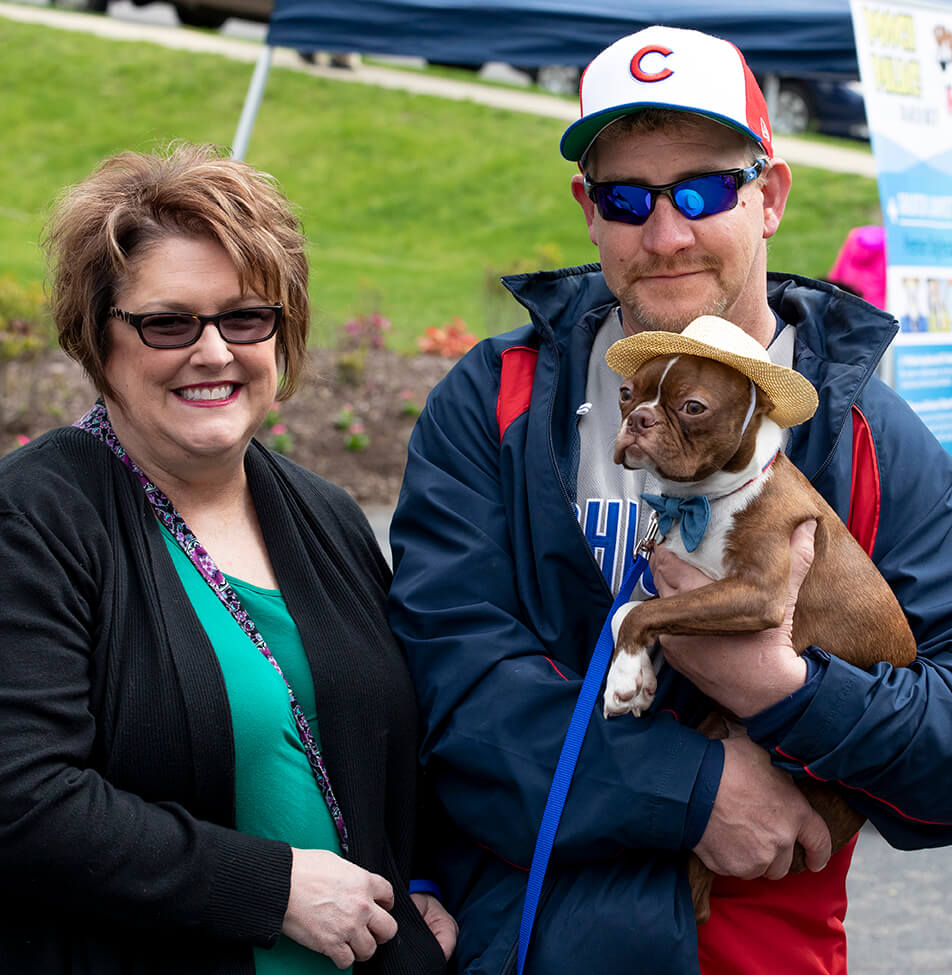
x=631 y=684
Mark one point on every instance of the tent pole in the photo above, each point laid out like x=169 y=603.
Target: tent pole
x=252 y=102
x=771 y=95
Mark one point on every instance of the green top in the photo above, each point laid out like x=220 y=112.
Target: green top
x=276 y=796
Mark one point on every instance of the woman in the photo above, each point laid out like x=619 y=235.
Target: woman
x=207 y=733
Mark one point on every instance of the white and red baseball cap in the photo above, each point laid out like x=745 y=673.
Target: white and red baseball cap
x=668 y=67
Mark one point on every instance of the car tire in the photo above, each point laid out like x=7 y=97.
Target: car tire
x=200 y=16
x=794 y=113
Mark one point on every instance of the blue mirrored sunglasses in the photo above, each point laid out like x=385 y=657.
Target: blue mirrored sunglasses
x=696 y=198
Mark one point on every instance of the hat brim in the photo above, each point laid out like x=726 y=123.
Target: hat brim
x=579 y=135
x=794 y=398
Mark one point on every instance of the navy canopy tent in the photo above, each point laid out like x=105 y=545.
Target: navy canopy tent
x=776 y=36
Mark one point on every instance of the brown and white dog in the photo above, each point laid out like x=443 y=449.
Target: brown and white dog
x=703 y=411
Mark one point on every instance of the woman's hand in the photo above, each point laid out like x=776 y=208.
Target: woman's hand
x=337 y=908
x=744 y=672
x=440 y=922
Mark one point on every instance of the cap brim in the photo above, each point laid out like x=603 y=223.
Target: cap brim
x=579 y=135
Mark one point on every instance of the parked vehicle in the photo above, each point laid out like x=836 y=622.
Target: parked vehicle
x=213 y=13
x=827 y=106
x=206 y=13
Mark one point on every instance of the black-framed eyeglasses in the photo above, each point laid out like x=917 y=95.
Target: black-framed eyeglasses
x=178 y=329
x=695 y=198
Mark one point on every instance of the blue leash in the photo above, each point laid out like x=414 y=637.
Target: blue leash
x=571 y=747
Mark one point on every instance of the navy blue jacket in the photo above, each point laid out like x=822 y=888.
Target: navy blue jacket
x=498 y=601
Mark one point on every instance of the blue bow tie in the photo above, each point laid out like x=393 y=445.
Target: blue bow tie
x=693 y=513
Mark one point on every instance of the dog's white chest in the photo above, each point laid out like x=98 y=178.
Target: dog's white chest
x=709 y=555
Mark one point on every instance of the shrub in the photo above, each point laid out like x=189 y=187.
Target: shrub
x=26 y=332
x=451 y=340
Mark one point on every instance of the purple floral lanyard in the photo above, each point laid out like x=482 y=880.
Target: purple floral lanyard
x=96 y=422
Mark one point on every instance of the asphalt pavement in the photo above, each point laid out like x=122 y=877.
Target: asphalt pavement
x=897 y=920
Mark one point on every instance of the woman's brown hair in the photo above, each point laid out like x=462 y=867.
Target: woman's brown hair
x=99 y=228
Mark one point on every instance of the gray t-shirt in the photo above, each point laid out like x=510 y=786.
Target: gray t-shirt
x=608 y=496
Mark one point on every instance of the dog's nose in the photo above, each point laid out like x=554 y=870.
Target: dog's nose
x=642 y=418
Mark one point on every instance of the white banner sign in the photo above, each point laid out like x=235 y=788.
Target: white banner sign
x=905 y=60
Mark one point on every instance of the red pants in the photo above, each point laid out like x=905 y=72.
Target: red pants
x=792 y=926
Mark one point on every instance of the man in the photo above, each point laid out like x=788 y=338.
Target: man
x=514 y=527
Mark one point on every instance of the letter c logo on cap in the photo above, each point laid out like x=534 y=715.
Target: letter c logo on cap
x=640 y=75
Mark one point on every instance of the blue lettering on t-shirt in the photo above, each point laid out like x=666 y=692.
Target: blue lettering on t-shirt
x=630 y=539
x=610 y=526
x=601 y=513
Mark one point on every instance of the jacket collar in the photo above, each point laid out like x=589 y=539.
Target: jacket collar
x=835 y=326
x=840 y=342
x=559 y=300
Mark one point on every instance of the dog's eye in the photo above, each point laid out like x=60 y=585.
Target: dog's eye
x=624 y=394
x=693 y=408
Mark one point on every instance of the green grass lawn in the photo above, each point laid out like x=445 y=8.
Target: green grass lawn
x=413 y=205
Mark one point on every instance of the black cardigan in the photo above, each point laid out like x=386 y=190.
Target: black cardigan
x=117 y=846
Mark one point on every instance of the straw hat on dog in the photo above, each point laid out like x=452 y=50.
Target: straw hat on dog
x=710 y=337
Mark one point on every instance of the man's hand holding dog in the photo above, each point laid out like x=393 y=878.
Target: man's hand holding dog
x=759 y=816
x=745 y=673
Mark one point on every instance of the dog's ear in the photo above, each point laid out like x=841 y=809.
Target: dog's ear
x=765 y=404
